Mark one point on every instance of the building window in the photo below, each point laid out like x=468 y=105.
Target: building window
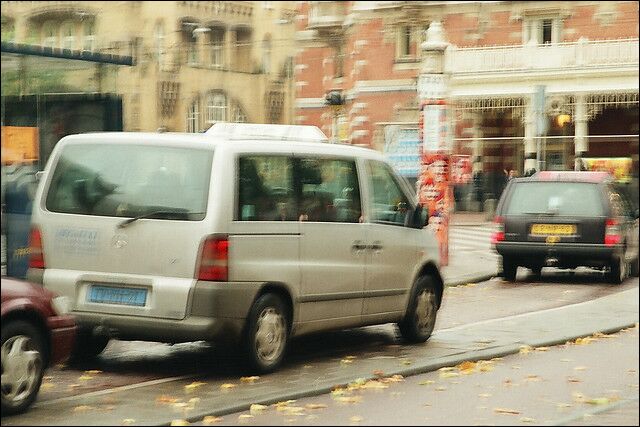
x=542 y=30
x=89 y=39
x=50 y=34
x=68 y=35
x=8 y=30
x=159 y=45
x=266 y=56
x=238 y=115
x=193 y=117
x=217 y=47
x=403 y=45
x=216 y=108
x=192 y=49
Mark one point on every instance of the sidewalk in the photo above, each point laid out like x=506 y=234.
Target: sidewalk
x=448 y=347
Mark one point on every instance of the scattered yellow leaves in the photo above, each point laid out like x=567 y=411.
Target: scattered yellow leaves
x=506 y=411
x=580 y=368
x=128 y=421
x=179 y=423
x=82 y=408
x=85 y=378
x=93 y=372
x=356 y=419
x=193 y=386
x=244 y=417
x=542 y=348
x=524 y=349
x=598 y=401
x=348 y=399
x=584 y=340
x=210 y=419
x=251 y=379
x=426 y=382
x=46 y=386
x=281 y=405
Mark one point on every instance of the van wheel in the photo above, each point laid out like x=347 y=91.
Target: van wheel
x=267 y=334
x=22 y=365
x=509 y=269
x=420 y=319
x=88 y=346
x=617 y=270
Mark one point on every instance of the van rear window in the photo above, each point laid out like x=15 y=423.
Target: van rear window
x=560 y=198
x=131 y=180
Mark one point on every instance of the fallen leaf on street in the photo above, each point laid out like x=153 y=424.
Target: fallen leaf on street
x=378 y=373
x=349 y=399
x=573 y=380
x=426 y=382
x=533 y=378
x=85 y=378
x=128 y=421
x=251 y=379
x=93 y=372
x=356 y=419
x=244 y=417
x=315 y=406
x=166 y=399
x=193 y=386
x=82 y=408
x=580 y=368
x=448 y=374
x=542 y=348
x=210 y=419
x=179 y=423
x=256 y=408
x=506 y=411
x=527 y=420
x=46 y=386
x=227 y=386
x=524 y=349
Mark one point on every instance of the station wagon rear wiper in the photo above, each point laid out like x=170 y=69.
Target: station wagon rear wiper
x=547 y=213
x=163 y=213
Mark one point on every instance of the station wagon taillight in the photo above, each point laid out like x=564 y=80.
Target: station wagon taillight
x=498 y=233
x=214 y=259
x=612 y=233
x=36 y=255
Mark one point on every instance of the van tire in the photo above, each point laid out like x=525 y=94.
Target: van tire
x=266 y=335
x=420 y=318
x=509 y=269
x=28 y=341
x=88 y=346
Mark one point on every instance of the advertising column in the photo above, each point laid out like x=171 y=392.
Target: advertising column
x=433 y=185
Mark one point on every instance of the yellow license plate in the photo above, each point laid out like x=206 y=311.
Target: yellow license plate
x=555 y=229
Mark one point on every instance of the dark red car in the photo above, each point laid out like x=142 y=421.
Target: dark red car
x=37 y=331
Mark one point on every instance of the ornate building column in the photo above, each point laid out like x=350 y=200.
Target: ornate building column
x=530 y=154
x=477 y=141
x=581 y=120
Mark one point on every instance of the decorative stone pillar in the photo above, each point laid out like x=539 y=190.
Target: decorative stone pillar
x=477 y=141
x=581 y=120
x=530 y=148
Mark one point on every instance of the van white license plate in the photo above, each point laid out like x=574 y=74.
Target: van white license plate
x=122 y=296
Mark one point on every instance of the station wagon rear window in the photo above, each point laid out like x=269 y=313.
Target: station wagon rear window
x=130 y=181
x=555 y=198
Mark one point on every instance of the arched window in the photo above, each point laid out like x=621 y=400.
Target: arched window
x=68 y=30
x=50 y=34
x=216 y=108
x=193 y=117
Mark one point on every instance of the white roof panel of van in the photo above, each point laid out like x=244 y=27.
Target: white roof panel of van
x=254 y=131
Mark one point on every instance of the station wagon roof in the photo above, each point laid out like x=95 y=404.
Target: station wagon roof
x=573 y=176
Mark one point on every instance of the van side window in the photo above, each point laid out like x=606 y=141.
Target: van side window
x=328 y=190
x=389 y=204
x=265 y=189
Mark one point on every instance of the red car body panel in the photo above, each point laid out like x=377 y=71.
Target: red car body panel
x=21 y=297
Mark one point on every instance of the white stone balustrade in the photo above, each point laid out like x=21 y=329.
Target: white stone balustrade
x=581 y=54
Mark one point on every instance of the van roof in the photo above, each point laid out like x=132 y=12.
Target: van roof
x=203 y=140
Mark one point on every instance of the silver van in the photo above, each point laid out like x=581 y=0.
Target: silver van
x=230 y=238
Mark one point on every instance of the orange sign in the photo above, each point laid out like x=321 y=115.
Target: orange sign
x=19 y=144
x=619 y=167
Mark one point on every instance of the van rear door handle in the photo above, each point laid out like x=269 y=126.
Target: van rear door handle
x=358 y=246
x=376 y=246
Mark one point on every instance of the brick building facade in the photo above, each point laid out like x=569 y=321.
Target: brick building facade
x=584 y=53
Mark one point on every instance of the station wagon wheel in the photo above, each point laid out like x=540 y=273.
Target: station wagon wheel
x=267 y=334
x=509 y=269
x=420 y=317
x=23 y=363
x=617 y=270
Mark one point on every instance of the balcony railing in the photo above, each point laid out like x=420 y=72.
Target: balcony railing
x=580 y=54
x=326 y=14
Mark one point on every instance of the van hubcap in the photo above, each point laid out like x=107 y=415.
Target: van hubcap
x=425 y=310
x=270 y=335
x=21 y=367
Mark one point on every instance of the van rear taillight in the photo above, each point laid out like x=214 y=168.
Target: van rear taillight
x=498 y=233
x=214 y=259
x=36 y=255
x=612 y=233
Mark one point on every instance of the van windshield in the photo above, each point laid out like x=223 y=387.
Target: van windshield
x=555 y=198
x=131 y=181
